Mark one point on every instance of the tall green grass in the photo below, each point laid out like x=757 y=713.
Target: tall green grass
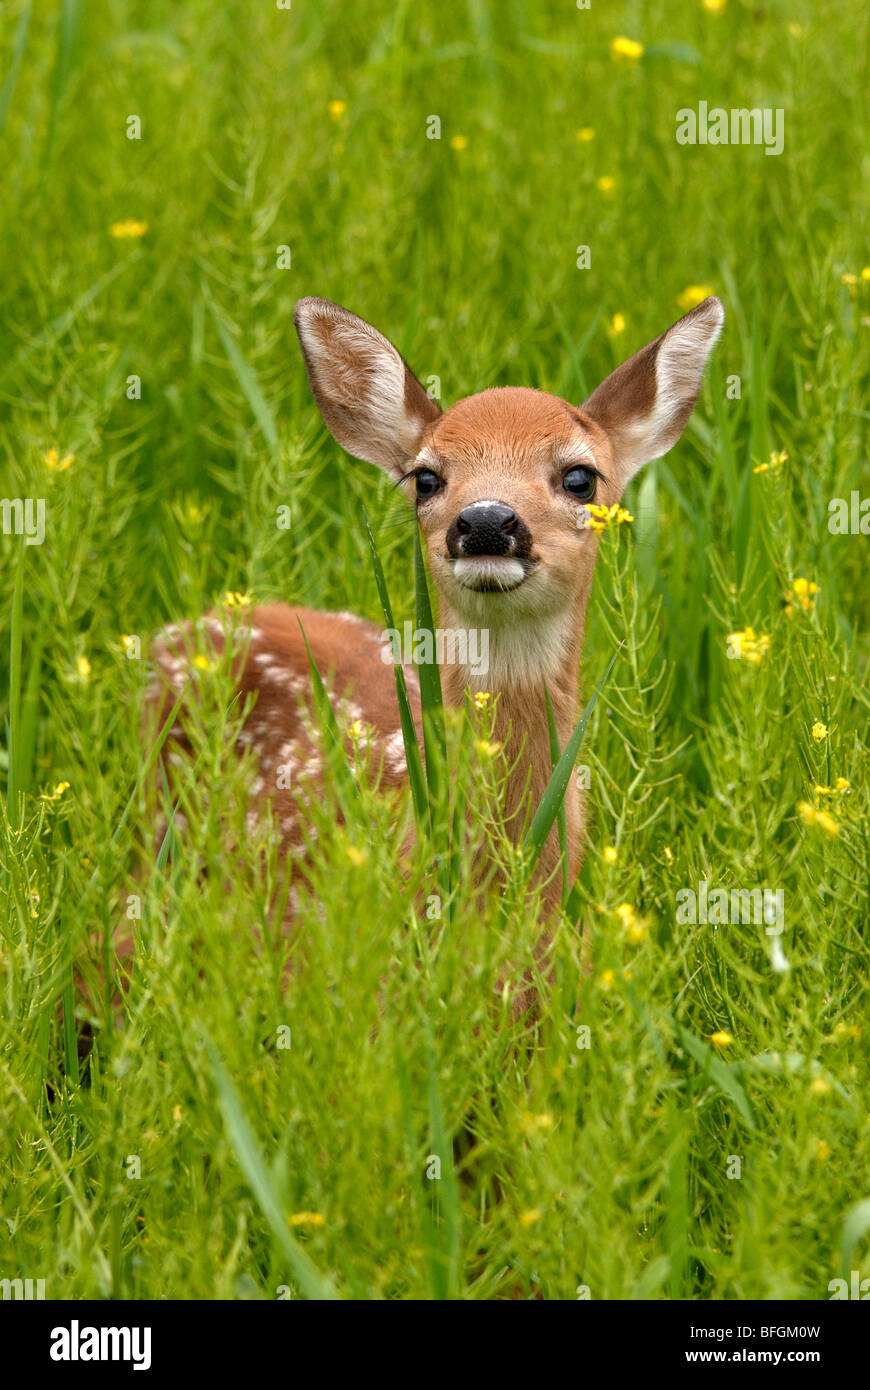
x=599 y=1160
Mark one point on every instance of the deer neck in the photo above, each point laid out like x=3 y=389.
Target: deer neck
x=524 y=660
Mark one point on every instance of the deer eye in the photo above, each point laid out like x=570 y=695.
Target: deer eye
x=427 y=482
x=580 y=483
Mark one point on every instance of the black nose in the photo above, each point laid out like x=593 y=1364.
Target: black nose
x=488 y=528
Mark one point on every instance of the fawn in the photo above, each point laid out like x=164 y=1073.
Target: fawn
x=501 y=482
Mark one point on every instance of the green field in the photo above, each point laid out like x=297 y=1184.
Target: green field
x=153 y=393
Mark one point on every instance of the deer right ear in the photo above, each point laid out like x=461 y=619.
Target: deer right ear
x=645 y=403
x=370 y=400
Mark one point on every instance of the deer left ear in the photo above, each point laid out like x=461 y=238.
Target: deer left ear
x=369 y=398
x=645 y=403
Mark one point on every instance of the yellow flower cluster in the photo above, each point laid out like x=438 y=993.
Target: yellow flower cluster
x=748 y=646
x=55 y=464
x=819 y=731
x=840 y=786
x=776 y=461
x=235 y=600
x=635 y=927
x=802 y=592
x=810 y=815
x=599 y=517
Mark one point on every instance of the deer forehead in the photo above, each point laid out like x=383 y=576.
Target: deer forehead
x=515 y=430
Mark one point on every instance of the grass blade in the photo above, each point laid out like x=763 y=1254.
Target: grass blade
x=554 y=792
x=434 y=740
x=247 y=380
x=252 y=1163
x=561 y=816
x=409 y=733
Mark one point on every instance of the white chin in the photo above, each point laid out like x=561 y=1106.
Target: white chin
x=489 y=574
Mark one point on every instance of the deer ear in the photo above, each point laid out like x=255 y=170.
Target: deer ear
x=645 y=403
x=370 y=400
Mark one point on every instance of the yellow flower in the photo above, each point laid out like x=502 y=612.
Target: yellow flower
x=605 y=184
x=819 y=731
x=721 y=1038
x=487 y=748
x=126 y=641
x=668 y=855
x=57 y=793
x=83 y=666
x=597 y=517
x=714 y=6
x=482 y=699
x=337 y=109
x=628 y=49
x=748 y=646
x=177 y=1114
x=842 y=784
x=530 y=1123
x=201 y=662
x=822 y=791
x=822 y=1151
x=865 y=272
x=585 y=135
x=693 y=295
x=626 y=914
x=130 y=228
x=819 y=1086
x=847 y=278
x=605 y=979
x=235 y=600
x=459 y=142
x=803 y=592
x=356 y=729
x=55 y=464
x=617 y=323
x=610 y=856
x=306 y=1218
x=357 y=856
x=529 y=1218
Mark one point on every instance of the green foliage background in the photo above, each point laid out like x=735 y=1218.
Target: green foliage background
x=562 y=1167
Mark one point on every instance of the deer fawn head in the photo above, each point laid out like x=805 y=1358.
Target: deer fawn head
x=501 y=479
